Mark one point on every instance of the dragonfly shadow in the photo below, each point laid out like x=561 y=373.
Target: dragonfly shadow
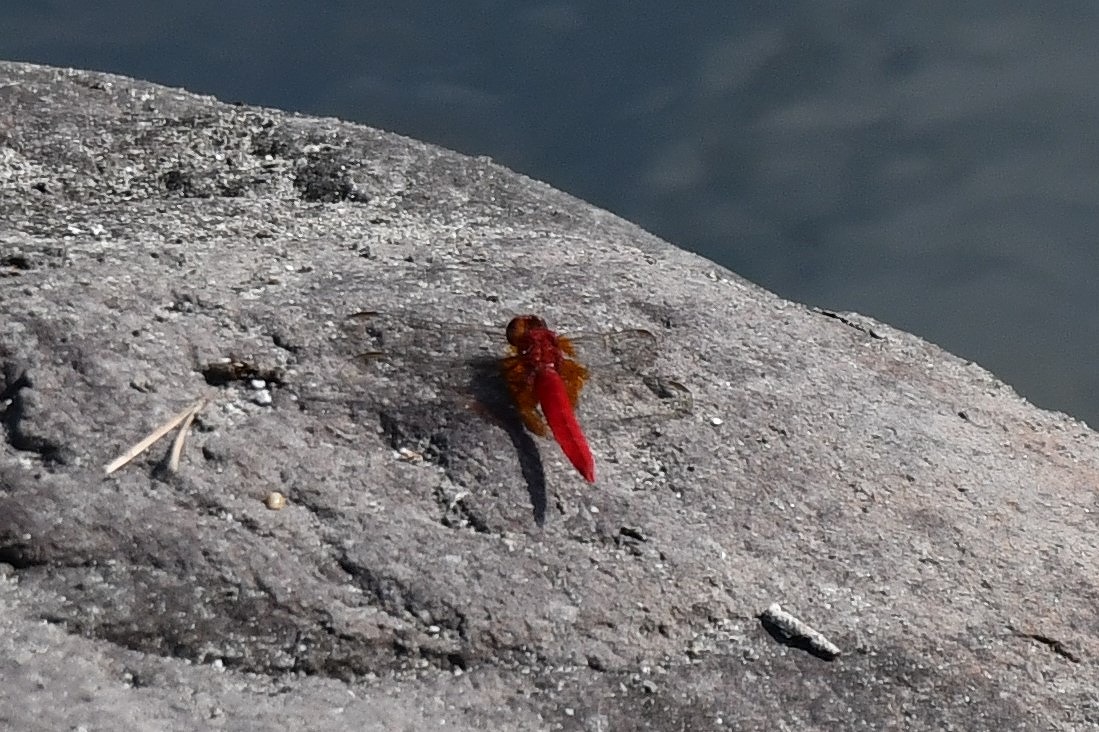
x=493 y=400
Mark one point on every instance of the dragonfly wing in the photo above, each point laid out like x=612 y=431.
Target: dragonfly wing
x=574 y=375
x=621 y=385
x=520 y=384
x=630 y=350
x=424 y=343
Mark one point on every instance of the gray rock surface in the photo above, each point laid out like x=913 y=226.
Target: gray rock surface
x=434 y=564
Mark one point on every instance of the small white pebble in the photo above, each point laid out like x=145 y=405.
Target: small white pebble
x=258 y=384
x=409 y=455
x=717 y=421
x=275 y=501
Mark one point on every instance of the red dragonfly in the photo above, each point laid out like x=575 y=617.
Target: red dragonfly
x=543 y=372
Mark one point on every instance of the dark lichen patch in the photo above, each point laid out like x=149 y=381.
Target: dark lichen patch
x=325 y=178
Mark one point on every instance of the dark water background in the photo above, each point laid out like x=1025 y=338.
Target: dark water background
x=933 y=164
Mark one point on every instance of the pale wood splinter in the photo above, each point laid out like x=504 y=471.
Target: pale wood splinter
x=182 y=420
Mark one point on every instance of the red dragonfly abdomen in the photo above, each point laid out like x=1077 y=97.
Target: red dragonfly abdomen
x=561 y=419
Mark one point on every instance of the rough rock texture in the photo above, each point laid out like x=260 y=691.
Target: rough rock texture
x=435 y=564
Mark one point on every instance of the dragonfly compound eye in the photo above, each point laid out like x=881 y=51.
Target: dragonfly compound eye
x=520 y=327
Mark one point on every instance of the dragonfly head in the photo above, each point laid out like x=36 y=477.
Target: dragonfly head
x=520 y=327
